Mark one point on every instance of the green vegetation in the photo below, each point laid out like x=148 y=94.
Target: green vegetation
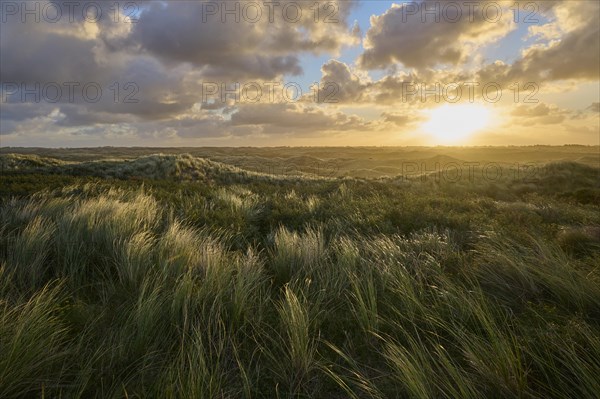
x=171 y=276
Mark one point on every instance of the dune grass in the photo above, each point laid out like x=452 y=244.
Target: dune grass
x=317 y=289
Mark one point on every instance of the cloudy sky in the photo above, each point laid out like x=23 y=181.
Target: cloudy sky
x=262 y=73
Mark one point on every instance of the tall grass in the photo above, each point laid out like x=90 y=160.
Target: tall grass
x=299 y=347
x=340 y=290
x=33 y=342
x=296 y=254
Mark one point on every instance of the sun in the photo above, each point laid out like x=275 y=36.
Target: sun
x=453 y=124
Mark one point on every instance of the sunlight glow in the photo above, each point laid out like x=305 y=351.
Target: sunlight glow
x=452 y=124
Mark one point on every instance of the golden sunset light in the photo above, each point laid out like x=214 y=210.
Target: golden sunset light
x=453 y=124
x=222 y=199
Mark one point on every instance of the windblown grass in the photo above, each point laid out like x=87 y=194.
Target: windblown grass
x=319 y=288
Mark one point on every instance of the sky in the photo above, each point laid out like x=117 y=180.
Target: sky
x=299 y=73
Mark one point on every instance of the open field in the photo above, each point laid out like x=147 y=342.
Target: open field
x=300 y=272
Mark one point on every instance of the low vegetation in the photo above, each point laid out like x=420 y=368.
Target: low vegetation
x=178 y=277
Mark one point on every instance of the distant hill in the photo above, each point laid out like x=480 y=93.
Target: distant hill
x=184 y=167
x=309 y=162
x=21 y=162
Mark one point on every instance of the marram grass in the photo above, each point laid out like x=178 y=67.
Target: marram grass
x=343 y=289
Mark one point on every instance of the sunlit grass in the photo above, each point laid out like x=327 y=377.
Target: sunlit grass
x=336 y=289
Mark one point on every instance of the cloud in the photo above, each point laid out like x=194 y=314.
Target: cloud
x=541 y=114
x=162 y=61
x=595 y=108
x=409 y=35
x=195 y=126
x=295 y=118
x=194 y=32
x=340 y=84
x=572 y=54
x=402 y=120
x=152 y=71
x=349 y=86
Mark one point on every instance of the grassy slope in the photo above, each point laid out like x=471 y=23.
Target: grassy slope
x=213 y=282
x=339 y=161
